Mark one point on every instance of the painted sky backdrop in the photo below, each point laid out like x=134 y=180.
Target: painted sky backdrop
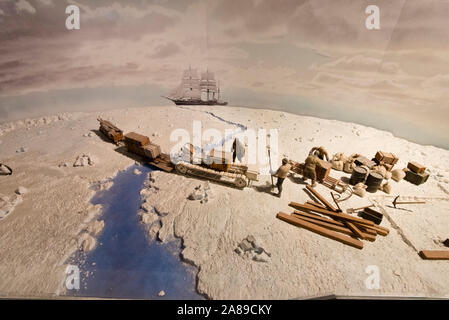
x=310 y=56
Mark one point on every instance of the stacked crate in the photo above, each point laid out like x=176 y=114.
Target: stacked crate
x=141 y=145
x=386 y=159
x=152 y=151
x=111 y=131
x=416 y=173
x=322 y=170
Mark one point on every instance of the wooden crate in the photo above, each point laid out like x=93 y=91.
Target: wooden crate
x=135 y=150
x=152 y=151
x=415 y=178
x=323 y=169
x=136 y=139
x=110 y=130
x=387 y=166
x=386 y=157
x=113 y=135
x=416 y=167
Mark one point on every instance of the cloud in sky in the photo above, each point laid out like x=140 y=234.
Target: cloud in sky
x=165 y=50
x=306 y=48
x=23 y=5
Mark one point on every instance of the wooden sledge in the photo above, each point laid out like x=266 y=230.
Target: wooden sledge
x=335 y=184
x=110 y=131
x=162 y=162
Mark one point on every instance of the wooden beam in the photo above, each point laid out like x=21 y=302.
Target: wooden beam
x=434 y=254
x=362 y=227
x=313 y=203
x=320 y=230
x=321 y=198
x=340 y=216
x=315 y=216
x=333 y=227
x=320 y=218
x=378 y=229
x=356 y=230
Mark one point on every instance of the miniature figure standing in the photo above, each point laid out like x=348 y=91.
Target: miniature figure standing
x=310 y=169
x=281 y=174
x=320 y=152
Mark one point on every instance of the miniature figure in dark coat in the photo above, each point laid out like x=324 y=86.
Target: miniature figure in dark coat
x=310 y=169
x=281 y=174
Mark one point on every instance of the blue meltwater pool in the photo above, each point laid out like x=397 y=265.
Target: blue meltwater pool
x=125 y=263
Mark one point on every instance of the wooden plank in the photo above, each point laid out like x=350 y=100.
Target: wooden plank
x=333 y=227
x=313 y=203
x=378 y=229
x=162 y=163
x=366 y=230
x=162 y=166
x=321 y=198
x=356 y=230
x=340 y=216
x=320 y=230
x=434 y=254
x=320 y=218
x=335 y=222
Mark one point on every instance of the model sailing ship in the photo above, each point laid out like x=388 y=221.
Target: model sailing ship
x=197 y=91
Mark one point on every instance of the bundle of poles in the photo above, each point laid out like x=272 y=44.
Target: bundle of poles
x=323 y=218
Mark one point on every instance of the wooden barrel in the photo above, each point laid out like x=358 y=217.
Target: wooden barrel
x=358 y=175
x=373 y=181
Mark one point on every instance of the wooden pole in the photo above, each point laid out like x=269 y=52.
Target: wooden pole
x=271 y=169
x=329 y=225
x=339 y=216
x=320 y=230
x=378 y=229
x=318 y=217
x=334 y=222
x=356 y=230
x=321 y=198
x=313 y=203
x=434 y=254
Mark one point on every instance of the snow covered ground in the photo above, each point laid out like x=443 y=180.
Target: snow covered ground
x=47 y=226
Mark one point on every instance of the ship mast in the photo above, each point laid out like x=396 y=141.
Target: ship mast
x=218 y=90
x=189 y=88
x=190 y=77
x=192 y=88
x=207 y=83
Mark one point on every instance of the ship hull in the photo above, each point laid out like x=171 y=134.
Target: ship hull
x=199 y=103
